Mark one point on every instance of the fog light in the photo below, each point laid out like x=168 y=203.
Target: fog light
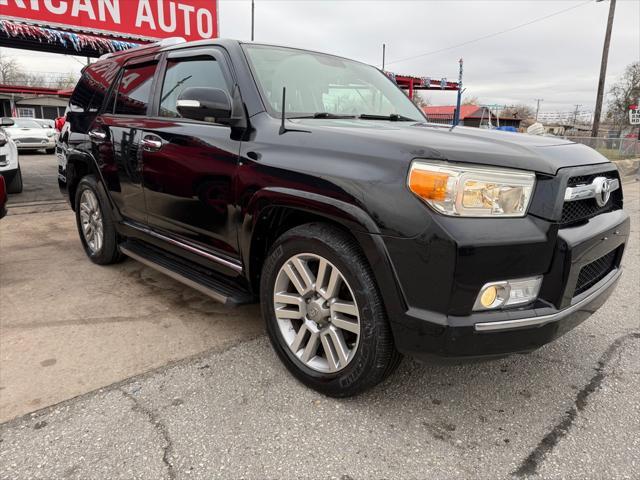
x=489 y=296
x=508 y=293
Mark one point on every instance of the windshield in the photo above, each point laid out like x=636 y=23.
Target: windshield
x=22 y=123
x=323 y=84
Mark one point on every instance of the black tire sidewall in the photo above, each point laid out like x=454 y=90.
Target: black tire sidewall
x=15 y=186
x=109 y=251
x=355 y=376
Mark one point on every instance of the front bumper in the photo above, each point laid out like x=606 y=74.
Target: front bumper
x=558 y=255
x=32 y=145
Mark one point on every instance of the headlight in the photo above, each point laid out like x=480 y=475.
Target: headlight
x=50 y=134
x=471 y=191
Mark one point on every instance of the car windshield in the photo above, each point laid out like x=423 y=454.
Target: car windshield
x=324 y=86
x=24 y=123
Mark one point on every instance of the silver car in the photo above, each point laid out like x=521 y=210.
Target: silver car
x=28 y=134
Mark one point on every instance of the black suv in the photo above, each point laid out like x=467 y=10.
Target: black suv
x=313 y=184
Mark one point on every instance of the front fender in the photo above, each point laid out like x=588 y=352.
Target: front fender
x=256 y=227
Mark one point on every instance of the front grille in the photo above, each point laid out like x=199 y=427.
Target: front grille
x=581 y=210
x=595 y=271
x=31 y=140
x=3 y=161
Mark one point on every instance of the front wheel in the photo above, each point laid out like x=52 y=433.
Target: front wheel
x=16 y=186
x=95 y=223
x=324 y=313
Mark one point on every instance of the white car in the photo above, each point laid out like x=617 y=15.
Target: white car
x=49 y=125
x=9 y=166
x=29 y=135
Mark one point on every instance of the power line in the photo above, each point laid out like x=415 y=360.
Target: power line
x=484 y=37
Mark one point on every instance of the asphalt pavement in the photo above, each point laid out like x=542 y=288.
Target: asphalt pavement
x=569 y=410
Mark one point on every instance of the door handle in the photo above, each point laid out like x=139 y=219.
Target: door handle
x=97 y=135
x=151 y=143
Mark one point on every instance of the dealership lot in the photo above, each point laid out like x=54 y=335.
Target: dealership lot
x=158 y=381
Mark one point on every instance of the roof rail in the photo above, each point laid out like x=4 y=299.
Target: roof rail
x=165 y=42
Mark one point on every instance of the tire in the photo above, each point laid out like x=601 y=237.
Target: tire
x=15 y=186
x=370 y=353
x=50 y=150
x=91 y=206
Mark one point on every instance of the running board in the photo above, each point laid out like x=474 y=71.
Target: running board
x=187 y=274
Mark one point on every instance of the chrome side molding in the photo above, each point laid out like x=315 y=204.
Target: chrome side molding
x=600 y=189
x=191 y=248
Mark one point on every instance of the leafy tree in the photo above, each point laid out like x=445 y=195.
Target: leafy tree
x=625 y=92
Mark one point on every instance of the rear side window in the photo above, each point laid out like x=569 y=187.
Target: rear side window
x=202 y=71
x=87 y=96
x=134 y=90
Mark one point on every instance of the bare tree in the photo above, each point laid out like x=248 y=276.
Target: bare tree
x=625 y=92
x=470 y=101
x=522 y=111
x=9 y=68
x=11 y=73
x=419 y=100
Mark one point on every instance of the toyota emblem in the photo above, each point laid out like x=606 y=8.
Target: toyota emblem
x=603 y=190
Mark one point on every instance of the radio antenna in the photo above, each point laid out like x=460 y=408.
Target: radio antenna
x=284 y=129
x=284 y=96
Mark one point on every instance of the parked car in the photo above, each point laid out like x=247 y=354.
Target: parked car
x=3 y=197
x=312 y=184
x=9 y=164
x=28 y=134
x=49 y=125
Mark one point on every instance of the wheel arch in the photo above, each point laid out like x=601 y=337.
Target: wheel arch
x=80 y=164
x=274 y=211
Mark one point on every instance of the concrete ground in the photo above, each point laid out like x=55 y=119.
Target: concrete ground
x=229 y=409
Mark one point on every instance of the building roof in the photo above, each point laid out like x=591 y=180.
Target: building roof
x=26 y=90
x=466 y=111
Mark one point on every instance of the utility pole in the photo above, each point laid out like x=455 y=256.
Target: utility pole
x=253 y=14
x=384 y=50
x=538 y=100
x=575 y=115
x=603 y=69
x=456 y=116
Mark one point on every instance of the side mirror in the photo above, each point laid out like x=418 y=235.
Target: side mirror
x=6 y=122
x=204 y=103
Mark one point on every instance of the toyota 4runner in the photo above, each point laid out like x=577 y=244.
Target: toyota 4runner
x=312 y=184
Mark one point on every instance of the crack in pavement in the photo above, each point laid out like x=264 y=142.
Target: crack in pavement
x=160 y=427
x=530 y=464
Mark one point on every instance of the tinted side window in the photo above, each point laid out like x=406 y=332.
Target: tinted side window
x=134 y=90
x=202 y=71
x=82 y=94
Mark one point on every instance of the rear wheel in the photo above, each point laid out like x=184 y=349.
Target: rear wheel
x=324 y=313
x=95 y=224
x=15 y=186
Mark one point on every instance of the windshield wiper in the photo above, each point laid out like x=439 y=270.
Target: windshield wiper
x=324 y=115
x=394 y=117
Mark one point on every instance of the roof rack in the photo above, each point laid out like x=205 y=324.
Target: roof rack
x=165 y=42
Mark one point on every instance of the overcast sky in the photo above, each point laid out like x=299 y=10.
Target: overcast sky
x=557 y=58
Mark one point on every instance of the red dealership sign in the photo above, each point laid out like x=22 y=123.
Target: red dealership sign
x=147 y=19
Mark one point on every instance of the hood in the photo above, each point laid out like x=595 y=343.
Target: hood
x=461 y=144
x=18 y=132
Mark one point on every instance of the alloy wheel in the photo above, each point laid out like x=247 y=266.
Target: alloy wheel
x=91 y=221
x=316 y=312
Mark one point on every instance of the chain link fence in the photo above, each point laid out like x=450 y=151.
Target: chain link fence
x=612 y=148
